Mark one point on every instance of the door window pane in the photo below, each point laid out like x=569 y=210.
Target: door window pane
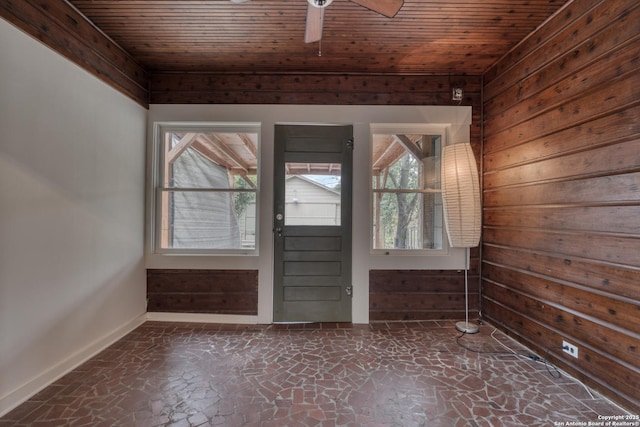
x=312 y=194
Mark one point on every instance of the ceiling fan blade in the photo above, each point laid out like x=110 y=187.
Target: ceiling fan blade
x=313 y=30
x=388 y=8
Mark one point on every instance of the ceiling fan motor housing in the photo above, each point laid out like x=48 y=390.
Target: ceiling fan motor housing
x=320 y=3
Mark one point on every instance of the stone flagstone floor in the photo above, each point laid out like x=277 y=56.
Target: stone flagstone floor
x=383 y=374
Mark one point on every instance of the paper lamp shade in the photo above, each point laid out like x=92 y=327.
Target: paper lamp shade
x=461 y=195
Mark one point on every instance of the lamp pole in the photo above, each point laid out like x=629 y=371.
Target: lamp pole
x=465 y=326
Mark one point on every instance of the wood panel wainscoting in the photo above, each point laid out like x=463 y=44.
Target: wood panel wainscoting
x=561 y=189
x=203 y=291
x=423 y=294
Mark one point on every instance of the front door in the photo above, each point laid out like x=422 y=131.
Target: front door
x=312 y=223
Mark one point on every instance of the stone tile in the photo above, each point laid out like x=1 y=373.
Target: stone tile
x=337 y=374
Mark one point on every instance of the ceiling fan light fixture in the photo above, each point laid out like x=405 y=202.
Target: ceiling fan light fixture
x=320 y=3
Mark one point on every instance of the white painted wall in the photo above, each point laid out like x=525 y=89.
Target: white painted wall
x=72 y=275
x=456 y=119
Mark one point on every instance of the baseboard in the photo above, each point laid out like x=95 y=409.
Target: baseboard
x=18 y=396
x=202 y=318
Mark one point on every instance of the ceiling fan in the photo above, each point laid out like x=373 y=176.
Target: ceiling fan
x=315 y=14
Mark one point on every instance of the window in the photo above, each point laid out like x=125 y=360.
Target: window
x=406 y=196
x=207 y=188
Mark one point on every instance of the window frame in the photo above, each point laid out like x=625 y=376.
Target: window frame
x=444 y=131
x=159 y=130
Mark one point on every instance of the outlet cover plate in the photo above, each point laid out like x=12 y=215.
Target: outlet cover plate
x=570 y=349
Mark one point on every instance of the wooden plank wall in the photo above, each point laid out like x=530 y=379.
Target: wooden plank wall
x=203 y=291
x=423 y=294
x=311 y=89
x=561 y=237
x=394 y=295
x=66 y=31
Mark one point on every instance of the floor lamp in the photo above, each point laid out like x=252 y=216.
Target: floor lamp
x=462 y=210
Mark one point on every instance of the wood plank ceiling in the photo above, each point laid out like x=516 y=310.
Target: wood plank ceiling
x=267 y=36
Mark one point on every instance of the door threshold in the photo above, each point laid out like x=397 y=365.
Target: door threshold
x=301 y=322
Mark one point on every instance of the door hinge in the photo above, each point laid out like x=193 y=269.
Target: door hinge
x=349 y=290
x=350 y=143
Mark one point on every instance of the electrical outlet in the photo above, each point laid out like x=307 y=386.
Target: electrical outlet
x=570 y=348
